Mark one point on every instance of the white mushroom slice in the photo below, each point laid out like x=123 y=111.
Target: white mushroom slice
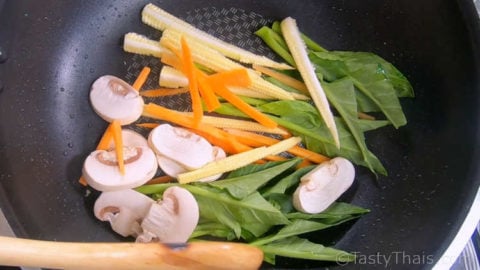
x=173 y=168
x=319 y=188
x=171 y=220
x=131 y=138
x=101 y=171
x=170 y=167
x=218 y=154
x=124 y=209
x=114 y=99
x=185 y=147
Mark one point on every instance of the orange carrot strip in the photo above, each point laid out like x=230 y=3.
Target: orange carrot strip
x=189 y=68
x=235 y=77
x=147 y=125
x=275 y=158
x=82 y=181
x=222 y=139
x=160 y=180
x=106 y=139
x=117 y=138
x=287 y=135
x=159 y=112
x=245 y=107
x=103 y=144
x=304 y=163
x=238 y=77
x=207 y=92
x=287 y=80
x=141 y=79
x=362 y=115
x=172 y=60
x=212 y=134
x=250 y=138
x=162 y=92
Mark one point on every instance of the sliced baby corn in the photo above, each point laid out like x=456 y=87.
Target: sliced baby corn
x=236 y=161
x=246 y=92
x=307 y=71
x=139 y=44
x=161 y=20
x=171 y=77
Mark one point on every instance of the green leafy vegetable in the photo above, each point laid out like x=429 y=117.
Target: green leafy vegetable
x=263 y=217
x=296 y=247
x=287 y=182
x=242 y=186
x=342 y=96
x=353 y=82
x=366 y=78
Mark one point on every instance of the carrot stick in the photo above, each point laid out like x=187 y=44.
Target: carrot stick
x=173 y=60
x=245 y=107
x=207 y=92
x=103 y=144
x=256 y=140
x=160 y=180
x=162 y=92
x=141 y=79
x=212 y=134
x=287 y=80
x=107 y=137
x=189 y=68
x=362 y=115
x=82 y=181
x=238 y=77
x=117 y=138
x=148 y=125
x=304 y=163
x=235 y=77
x=156 y=111
x=222 y=139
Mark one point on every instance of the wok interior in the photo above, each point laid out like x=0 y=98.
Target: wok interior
x=47 y=127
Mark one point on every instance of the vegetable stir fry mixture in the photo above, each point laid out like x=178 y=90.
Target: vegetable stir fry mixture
x=263 y=155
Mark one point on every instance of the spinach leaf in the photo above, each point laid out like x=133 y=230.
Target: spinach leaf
x=287 y=182
x=276 y=42
x=281 y=201
x=367 y=125
x=252 y=168
x=295 y=247
x=365 y=104
x=302 y=119
x=242 y=186
x=253 y=213
x=214 y=229
x=359 y=60
x=366 y=79
x=342 y=96
x=336 y=210
x=301 y=226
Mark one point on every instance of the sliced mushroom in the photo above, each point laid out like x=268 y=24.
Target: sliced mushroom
x=171 y=220
x=113 y=98
x=180 y=145
x=124 y=209
x=101 y=171
x=173 y=168
x=319 y=188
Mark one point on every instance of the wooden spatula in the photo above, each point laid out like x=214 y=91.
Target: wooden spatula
x=69 y=255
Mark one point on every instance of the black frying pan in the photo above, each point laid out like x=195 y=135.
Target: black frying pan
x=53 y=50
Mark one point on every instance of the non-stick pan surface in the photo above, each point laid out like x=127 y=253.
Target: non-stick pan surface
x=53 y=50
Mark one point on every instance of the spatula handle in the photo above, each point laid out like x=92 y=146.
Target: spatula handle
x=69 y=255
